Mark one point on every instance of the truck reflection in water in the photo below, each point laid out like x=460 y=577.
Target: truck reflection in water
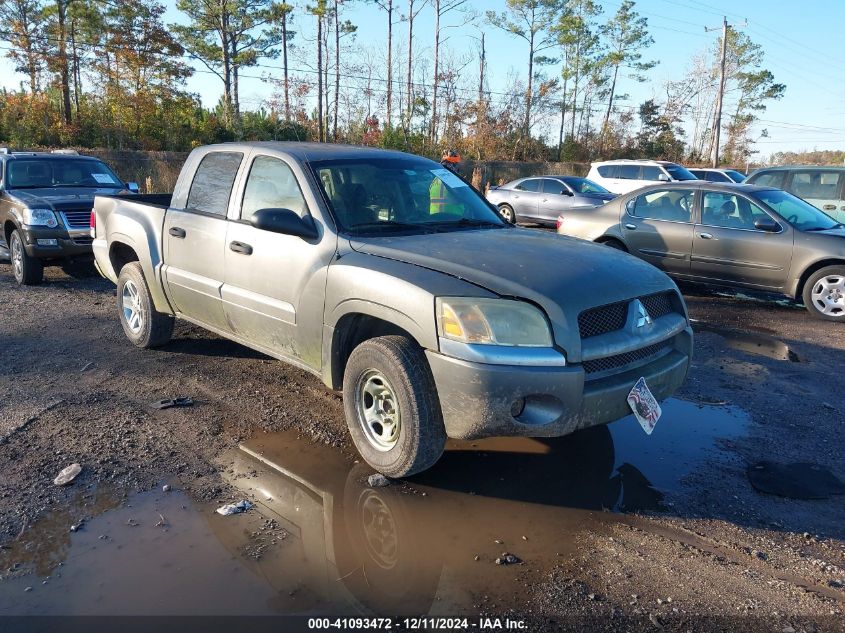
x=429 y=545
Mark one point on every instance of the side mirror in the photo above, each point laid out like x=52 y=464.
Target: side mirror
x=663 y=177
x=133 y=187
x=566 y=192
x=286 y=222
x=766 y=224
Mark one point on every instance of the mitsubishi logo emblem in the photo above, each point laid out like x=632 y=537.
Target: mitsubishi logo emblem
x=643 y=317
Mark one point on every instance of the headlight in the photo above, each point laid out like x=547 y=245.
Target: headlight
x=39 y=217
x=492 y=322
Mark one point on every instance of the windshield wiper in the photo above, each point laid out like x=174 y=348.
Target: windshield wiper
x=388 y=224
x=826 y=228
x=468 y=222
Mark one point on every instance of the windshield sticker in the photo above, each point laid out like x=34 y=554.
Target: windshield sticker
x=448 y=178
x=103 y=179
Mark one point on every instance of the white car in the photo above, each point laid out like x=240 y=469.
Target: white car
x=717 y=175
x=622 y=176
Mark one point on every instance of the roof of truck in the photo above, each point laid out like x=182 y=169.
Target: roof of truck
x=316 y=151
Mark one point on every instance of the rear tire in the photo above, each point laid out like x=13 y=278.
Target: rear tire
x=507 y=213
x=391 y=406
x=142 y=323
x=824 y=294
x=28 y=271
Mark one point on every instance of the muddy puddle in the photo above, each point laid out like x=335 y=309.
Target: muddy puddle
x=319 y=540
x=760 y=342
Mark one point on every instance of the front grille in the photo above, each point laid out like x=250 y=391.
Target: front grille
x=77 y=219
x=602 y=320
x=612 y=317
x=628 y=358
x=659 y=305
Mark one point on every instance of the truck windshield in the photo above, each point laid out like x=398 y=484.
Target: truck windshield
x=37 y=173
x=384 y=195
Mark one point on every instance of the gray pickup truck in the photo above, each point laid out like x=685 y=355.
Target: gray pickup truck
x=393 y=280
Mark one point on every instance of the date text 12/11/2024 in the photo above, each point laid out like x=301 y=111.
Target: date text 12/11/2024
x=417 y=624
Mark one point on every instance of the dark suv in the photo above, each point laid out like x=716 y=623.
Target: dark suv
x=45 y=207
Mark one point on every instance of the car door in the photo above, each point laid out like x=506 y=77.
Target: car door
x=727 y=246
x=628 y=178
x=270 y=276
x=821 y=188
x=525 y=197
x=556 y=199
x=194 y=241
x=658 y=226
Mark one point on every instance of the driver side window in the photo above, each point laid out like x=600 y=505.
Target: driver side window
x=729 y=211
x=271 y=185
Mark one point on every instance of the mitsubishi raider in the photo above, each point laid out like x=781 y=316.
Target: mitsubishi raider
x=393 y=280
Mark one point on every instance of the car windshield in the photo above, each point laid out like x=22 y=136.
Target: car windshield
x=377 y=196
x=679 y=173
x=802 y=215
x=37 y=173
x=582 y=185
x=736 y=176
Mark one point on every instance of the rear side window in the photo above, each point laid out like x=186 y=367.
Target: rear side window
x=529 y=185
x=213 y=182
x=271 y=185
x=629 y=172
x=609 y=171
x=717 y=176
x=816 y=184
x=553 y=186
x=767 y=179
x=672 y=205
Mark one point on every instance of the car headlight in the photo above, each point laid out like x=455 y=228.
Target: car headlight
x=492 y=322
x=39 y=217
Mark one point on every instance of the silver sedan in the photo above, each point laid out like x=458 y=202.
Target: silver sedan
x=541 y=199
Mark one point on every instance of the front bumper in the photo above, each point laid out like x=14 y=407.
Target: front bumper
x=478 y=399
x=68 y=243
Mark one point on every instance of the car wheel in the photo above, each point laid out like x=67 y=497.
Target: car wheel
x=391 y=406
x=507 y=213
x=28 y=271
x=143 y=324
x=824 y=294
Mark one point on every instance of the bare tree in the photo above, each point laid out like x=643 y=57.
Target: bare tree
x=414 y=8
x=441 y=9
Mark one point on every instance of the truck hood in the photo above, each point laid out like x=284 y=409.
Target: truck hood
x=563 y=275
x=61 y=197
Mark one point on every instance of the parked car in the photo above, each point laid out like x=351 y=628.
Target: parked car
x=541 y=199
x=717 y=175
x=823 y=187
x=622 y=176
x=45 y=206
x=735 y=235
x=383 y=274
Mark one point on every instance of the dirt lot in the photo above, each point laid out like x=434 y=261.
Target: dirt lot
x=610 y=526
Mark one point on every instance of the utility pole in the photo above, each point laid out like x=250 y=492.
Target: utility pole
x=717 y=120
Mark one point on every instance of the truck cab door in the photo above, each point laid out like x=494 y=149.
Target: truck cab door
x=274 y=284
x=194 y=241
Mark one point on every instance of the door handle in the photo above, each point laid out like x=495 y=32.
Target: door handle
x=829 y=207
x=175 y=231
x=631 y=227
x=706 y=236
x=240 y=247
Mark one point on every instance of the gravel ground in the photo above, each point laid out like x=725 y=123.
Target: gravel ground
x=73 y=390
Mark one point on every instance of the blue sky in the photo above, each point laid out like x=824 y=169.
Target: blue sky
x=801 y=42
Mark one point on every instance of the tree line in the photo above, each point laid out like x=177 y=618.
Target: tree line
x=112 y=73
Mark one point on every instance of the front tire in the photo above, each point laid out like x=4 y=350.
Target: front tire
x=507 y=213
x=824 y=294
x=391 y=406
x=28 y=271
x=142 y=323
